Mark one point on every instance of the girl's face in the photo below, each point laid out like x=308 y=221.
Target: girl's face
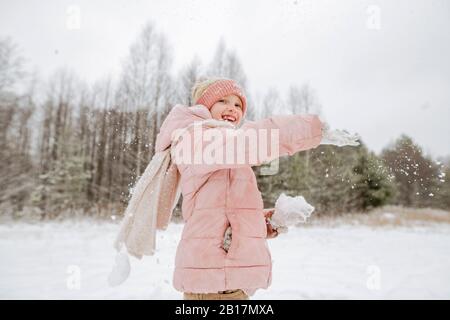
x=228 y=108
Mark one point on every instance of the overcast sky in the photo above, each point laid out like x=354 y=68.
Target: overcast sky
x=380 y=68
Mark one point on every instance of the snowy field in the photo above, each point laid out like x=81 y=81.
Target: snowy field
x=71 y=260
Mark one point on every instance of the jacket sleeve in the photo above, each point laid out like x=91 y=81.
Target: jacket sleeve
x=265 y=140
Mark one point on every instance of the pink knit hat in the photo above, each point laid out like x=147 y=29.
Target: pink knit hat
x=219 y=89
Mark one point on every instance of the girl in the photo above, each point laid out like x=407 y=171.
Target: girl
x=218 y=195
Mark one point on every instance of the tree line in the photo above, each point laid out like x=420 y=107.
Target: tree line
x=71 y=148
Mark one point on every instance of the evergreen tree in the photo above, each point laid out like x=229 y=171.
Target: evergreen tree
x=371 y=183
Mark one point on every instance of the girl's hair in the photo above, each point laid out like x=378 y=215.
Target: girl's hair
x=200 y=87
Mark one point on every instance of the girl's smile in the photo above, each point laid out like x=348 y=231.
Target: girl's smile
x=228 y=108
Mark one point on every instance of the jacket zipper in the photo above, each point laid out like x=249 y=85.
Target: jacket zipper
x=228 y=189
x=226 y=213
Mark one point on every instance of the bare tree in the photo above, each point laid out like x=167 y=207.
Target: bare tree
x=11 y=65
x=16 y=110
x=145 y=80
x=60 y=97
x=226 y=64
x=272 y=103
x=106 y=102
x=11 y=71
x=302 y=100
x=188 y=76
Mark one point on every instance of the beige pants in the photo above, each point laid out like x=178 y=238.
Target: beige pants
x=223 y=295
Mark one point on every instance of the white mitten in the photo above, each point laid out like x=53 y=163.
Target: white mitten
x=120 y=270
x=338 y=137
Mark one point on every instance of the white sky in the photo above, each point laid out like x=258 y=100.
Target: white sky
x=379 y=77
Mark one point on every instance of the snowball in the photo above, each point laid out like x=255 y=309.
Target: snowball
x=291 y=210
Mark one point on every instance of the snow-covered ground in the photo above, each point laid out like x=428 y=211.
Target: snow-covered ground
x=71 y=260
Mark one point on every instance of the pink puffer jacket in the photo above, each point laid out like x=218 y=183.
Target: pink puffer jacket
x=218 y=195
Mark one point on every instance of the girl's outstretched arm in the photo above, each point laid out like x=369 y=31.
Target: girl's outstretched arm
x=264 y=141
